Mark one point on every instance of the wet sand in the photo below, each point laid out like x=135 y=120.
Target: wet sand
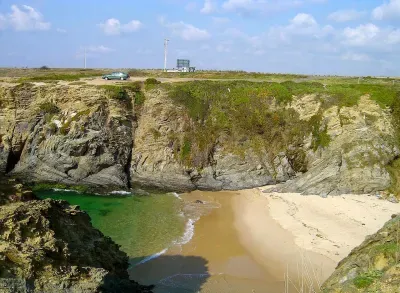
x=248 y=241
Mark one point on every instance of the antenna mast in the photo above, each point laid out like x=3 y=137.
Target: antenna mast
x=85 y=58
x=165 y=53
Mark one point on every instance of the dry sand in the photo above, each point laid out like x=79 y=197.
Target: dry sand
x=330 y=226
x=246 y=241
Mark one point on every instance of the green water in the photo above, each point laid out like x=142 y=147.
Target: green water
x=142 y=225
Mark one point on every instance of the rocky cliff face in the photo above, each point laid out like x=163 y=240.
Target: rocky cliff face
x=374 y=266
x=73 y=135
x=81 y=135
x=50 y=246
x=362 y=143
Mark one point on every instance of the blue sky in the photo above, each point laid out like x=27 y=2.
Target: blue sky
x=344 y=37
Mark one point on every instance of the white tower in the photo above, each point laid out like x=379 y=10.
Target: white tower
x=165 y=53
x=84 y=61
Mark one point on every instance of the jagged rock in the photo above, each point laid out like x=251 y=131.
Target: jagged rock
x=90 y=144
x=50 y=246
x=103 y=142
x=362 y=144
x=371 y=267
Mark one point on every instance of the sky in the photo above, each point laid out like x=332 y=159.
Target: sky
x=335 y=37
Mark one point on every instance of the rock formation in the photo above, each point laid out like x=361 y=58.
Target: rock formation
x=374 y=266
x=79 y=135
x=50 y=246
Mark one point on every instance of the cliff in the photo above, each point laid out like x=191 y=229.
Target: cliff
x=202 y=135
x=50 y=246
x=371 y=267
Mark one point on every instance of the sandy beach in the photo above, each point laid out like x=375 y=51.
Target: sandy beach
x=248 y=241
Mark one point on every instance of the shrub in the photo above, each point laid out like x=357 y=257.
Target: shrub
x=116 y=92
x=139 y=98
x=156 y=134
x=44 y=67
x=48 y=108
x=364 y=280
x=151 y=81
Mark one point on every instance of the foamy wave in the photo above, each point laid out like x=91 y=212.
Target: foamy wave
x=152 y=257
x=189 y=232
x=64 y=190
x=176 y=195
x=121 y=192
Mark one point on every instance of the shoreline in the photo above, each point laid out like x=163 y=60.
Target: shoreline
x=250 y=240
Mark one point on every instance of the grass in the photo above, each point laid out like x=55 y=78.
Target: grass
x=64 y=129
x=366 y=279
x=48 y=108
x=56 y=77
x=255 y=114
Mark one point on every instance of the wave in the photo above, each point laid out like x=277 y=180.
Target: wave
x=121 y=192
x=188 y=234
x=149 y=258
x=64 y=190
x=176 y=195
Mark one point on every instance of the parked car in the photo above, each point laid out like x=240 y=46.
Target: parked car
x=116 y=75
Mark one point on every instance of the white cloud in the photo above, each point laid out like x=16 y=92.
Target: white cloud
x=355 y=57
x=99 y=49
x=60 y=30
x=246 y=7
x=301 y=25
x=24 y=18
x=389 y=10
x=303 y=19
x=361 y=35
x=393 y=37
x=113 y=26
x=186 y=31
x=346 y=15
x=209 y=7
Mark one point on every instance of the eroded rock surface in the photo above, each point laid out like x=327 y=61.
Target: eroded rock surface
x=50 y=246
x=92 y=139
x=371 y=267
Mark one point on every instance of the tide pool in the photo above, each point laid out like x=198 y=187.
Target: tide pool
x=142 y=225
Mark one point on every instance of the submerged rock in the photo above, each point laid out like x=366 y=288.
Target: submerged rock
x=374 y=266
x=50 y=246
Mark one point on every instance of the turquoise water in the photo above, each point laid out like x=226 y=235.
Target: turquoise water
x=142 y=225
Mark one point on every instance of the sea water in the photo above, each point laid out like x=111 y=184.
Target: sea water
x=144 y=226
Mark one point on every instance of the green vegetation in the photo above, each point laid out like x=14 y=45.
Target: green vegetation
x=150 y=83
x=388 y=249
x=156 y=134
x=57 y=77
x=48 y=108
x=254 y=114
x=64 y=129
x=121 y=91
x=320 y=135
x=364 y=280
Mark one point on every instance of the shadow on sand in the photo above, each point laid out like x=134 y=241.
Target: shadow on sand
x=170 y=273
